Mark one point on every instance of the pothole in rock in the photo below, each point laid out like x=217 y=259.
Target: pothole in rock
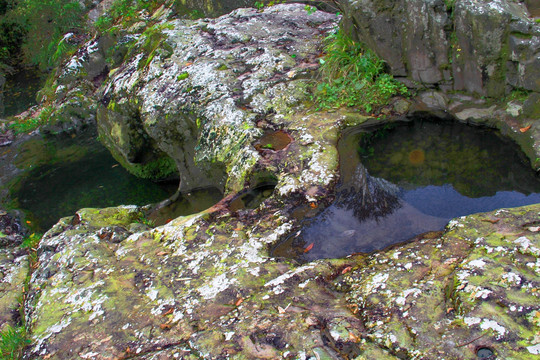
x=404 y=179
x=68 y=174
x=277 y=140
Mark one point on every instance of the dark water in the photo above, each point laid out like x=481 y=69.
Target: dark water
x=80 y=172
x=404 y=180
x=20 y=91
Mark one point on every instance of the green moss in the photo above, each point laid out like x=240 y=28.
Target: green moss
x=182 y=76
x=162 y=167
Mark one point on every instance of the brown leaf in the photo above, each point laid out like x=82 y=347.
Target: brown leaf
x=281 y=310
x=165 y=326
x=346 y=270
x=491 y=221
x=313 y=205
x=525 y=129
x=239 y=301
x=161 y=253
x=309 y=247
x=168 y=312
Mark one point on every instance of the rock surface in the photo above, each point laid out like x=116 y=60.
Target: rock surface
x=14 y=268
x=205 y=286
x=483 y=47
x=196 y=95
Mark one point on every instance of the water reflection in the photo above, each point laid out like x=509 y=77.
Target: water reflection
x=413 y=179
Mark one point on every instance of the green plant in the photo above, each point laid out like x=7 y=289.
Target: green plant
x=124 y=13
x=29 y=124
x=48 y=21
x=12 y=342
x=310 y=9
x=352 y=75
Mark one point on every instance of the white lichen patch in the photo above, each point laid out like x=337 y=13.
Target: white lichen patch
x=218 y=284
x=512 y=278
x=470 y=321
x=491 y=324
x=276 y=283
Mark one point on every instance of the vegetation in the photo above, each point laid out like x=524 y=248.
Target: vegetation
x=125 y=11
x=29 y=124
x=34 y=31
x=12 y=341
x=352 y=75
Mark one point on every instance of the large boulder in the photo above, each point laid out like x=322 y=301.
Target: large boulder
x=193 y=92
x=483 y=47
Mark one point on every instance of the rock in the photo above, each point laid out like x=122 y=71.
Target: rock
x=2 y=84
x=531 y=106
x=201 y=89
x=14 y=268
x=199 y=286
x=436 y=292
x=476 y=46
x=476 y=113
x=434 y=100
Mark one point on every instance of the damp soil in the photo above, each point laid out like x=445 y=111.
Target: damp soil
x=404 y=179
x=67 y=173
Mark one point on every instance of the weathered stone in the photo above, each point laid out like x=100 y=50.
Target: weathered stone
x=476 y=46
x=14 y=268
x=476 y=286
x=198 y=95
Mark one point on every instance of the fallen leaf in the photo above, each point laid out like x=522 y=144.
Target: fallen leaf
x=534 y=228
x=354 y=338
x=346 y=270
x=188 y=64
x=161 y=253
x=313 y=205
x=168 y=312
x=491 y=221
x=525 y=129
x=165 y=326
x=239 y=301
x=309 y=247
x=281 y=310
x=115 y=165
x=28 y=222
x=449 y=310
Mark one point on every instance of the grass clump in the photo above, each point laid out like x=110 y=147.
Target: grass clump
x=353 y=75
x=12 y=342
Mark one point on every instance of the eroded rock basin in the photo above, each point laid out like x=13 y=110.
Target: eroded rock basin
x=403 y=179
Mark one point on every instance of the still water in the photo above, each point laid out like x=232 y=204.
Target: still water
x=78 y=172
x=405 y=179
